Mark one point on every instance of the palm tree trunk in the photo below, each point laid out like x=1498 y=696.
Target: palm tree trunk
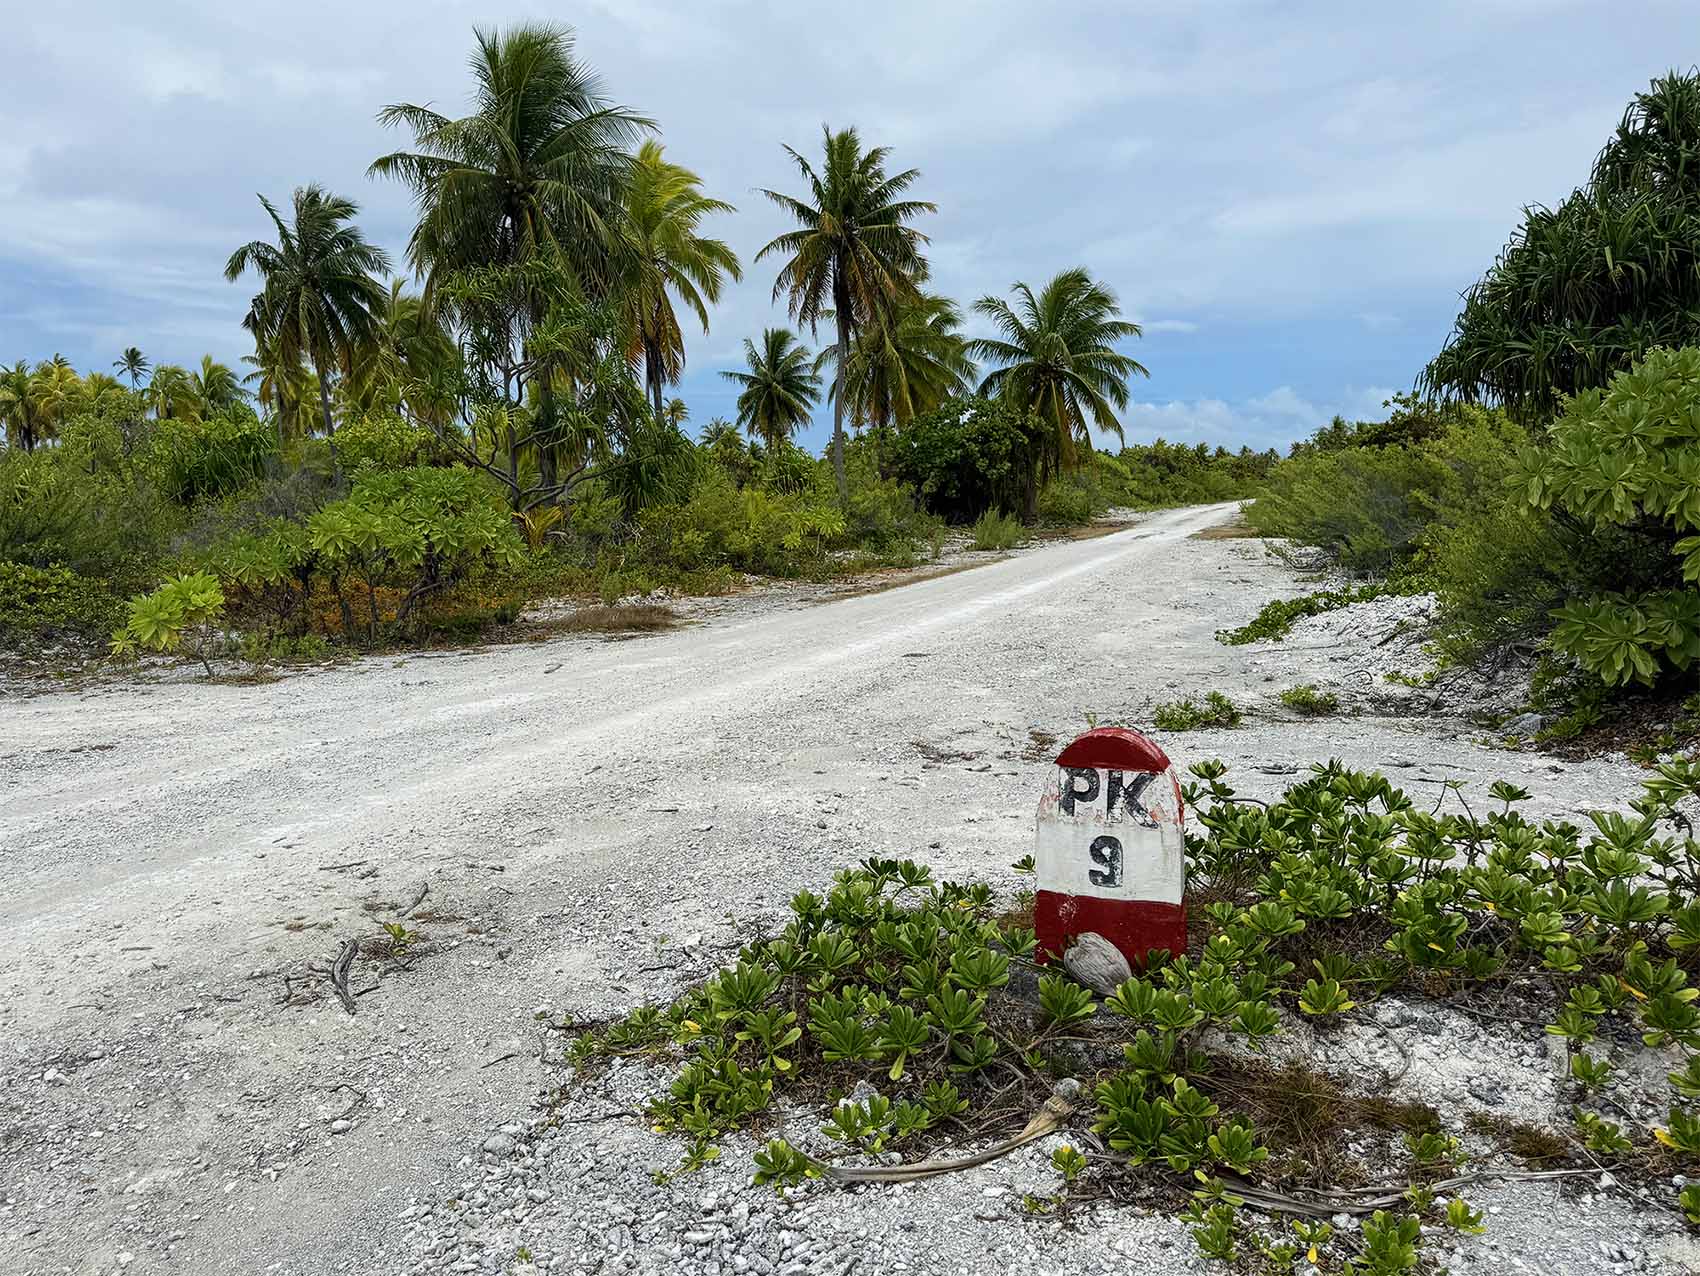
x=325 y=407
x=838 y=406
x=513 y=462
x=652 y=373
x=548 y=471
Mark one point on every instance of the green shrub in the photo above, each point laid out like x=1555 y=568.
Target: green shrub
x=1372 y=505
x=1341 y=891
x=1160 y=474
x=51 y=514
x=1188 y=715
x=885 y=520
x=196 y=459
x=1276 y=620
x=1626 y=460
x=282 y=649
x=400 y=541
x=386 y=442
x=34 y=600
x=968 y=456
x=1310 y=701
x=1070 y=500
x=180 y=615
x=997 y=530
x=749 y=529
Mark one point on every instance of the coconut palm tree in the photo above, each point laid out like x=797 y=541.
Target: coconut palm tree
x=854 y=253
x=539 y=166
x=133 y=364
x=55 y=389
x=662 y=254
x=281 y=388
x=1058 y=358
x=217 y=386
x=780 y=389
x=907 y=362
x=100 y=395
x=410 y=348
x=171 y=394
x=18 y=411
x=318 y=295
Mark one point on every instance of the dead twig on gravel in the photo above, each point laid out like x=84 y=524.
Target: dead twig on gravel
x=1047 y=1119
x=424 y=890
x=331 y=868
x=339 y=973
x=1388 y=1078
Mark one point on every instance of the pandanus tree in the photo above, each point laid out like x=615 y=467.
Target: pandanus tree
x=318 y=296
x=663 y=256
x=780 y=388
x=1585 y=290
x=855 y=253
x=1056 y=357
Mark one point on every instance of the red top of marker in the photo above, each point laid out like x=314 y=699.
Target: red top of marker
x=1114 y=749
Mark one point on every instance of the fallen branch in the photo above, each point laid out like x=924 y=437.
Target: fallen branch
x=339 y=973
x=1047 y=1119
x=1366 y=1200
x=331 y=868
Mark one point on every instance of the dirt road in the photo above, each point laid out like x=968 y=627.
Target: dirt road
x=586 y=815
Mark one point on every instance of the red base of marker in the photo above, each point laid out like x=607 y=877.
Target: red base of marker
x=1134 y=926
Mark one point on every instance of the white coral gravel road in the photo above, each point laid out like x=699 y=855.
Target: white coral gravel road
x=587 y=816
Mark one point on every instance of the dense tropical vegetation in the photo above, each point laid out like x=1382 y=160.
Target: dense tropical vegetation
x=397 y=458
x=1551 y=496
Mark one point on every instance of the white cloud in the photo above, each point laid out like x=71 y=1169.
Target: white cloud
x=1282 y=401
x=1273 y=419
x=1267 y=168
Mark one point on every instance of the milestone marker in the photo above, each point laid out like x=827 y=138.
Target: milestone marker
x=1111 y=848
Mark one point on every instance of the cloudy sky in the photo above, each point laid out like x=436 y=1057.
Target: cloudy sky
x=1289 y=196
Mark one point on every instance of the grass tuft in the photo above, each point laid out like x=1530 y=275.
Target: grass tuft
x=1310 y=701
x=617 y=619
x=1188 y=715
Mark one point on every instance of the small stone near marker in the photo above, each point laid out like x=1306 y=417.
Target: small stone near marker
x=703 y=828
x=340 y=1126
x=498 y=1145
x=1097 y=963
